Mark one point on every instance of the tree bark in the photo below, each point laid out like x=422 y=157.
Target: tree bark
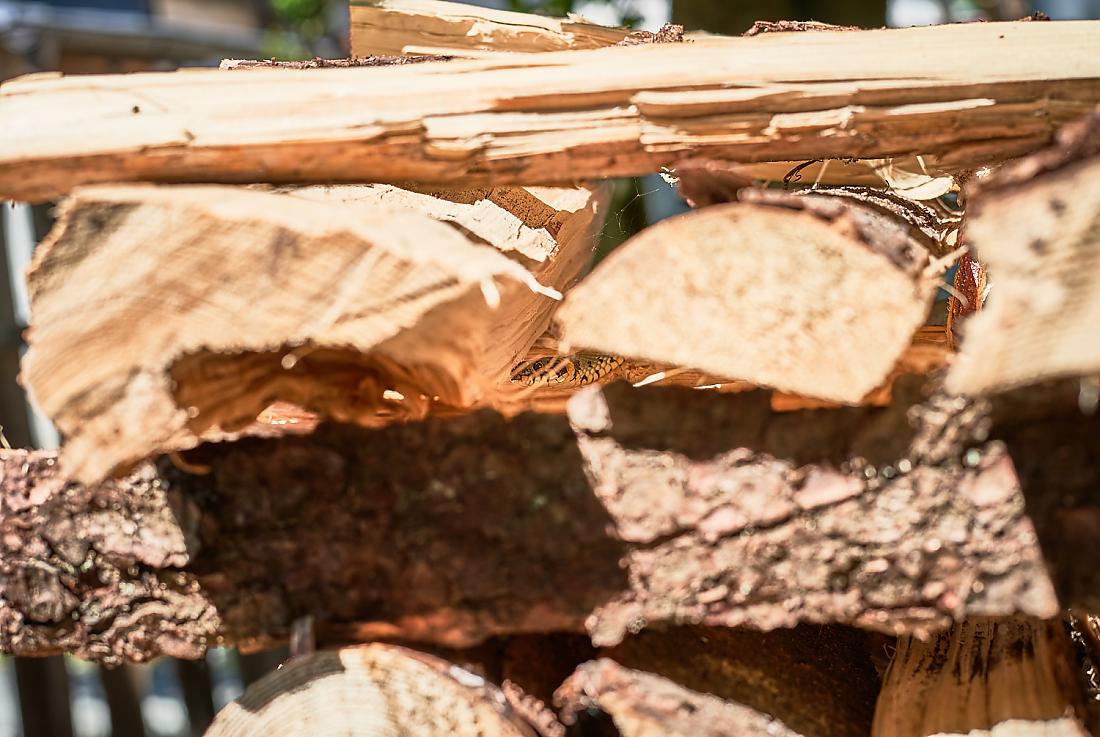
x=658 y=506
x=989 y=92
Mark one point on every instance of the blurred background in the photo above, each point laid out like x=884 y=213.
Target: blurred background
x=62 y=696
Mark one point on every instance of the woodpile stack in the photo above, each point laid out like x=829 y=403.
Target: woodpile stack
x=328 y=365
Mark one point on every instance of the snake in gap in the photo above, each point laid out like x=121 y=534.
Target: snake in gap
x=577 y=369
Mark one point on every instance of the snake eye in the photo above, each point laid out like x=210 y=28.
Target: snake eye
x=524 y=372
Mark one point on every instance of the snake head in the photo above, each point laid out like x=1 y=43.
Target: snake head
x=545 y=370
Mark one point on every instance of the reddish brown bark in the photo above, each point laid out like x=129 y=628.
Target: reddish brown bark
x=656 y=506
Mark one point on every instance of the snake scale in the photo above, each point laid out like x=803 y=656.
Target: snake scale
x=577 y=369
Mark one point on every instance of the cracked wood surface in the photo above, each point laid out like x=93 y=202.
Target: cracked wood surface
x=656 y=506
x=410 y=26
x=984 y=677
x=363 y=304
x=1035 y=226
x=971 y=93
x=369 y=691
x=813 y=295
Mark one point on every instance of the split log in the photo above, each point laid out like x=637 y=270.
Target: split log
x=983 y=678
x=438 y=30
x=368 y=691
x=971 y=93
x=658 y=506
x=1036 y=227
x=808 y=294
x=808 y=681
x=414 y=26
x=641 y=704
x=710 y=181
x=364 y=310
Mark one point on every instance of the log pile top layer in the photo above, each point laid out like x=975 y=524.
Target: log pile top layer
x=972 y=92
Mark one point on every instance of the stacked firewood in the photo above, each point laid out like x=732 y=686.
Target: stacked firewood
x=329 y=366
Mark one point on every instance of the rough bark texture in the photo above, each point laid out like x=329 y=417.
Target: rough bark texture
x=972 y=93
x=319 y=63
x=808 y=294
x=363 y=304
x=984 y=677
x=97 y=571
x=367 y=691
x=661 y=506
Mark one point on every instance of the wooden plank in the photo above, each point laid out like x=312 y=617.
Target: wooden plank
x=383 y=27
x=970 y=93
x=984 y=677
x=809 y=294
x=44 y=701
x=370 y=690
x=365 y=305
x=1035 y=226
x=643 y=508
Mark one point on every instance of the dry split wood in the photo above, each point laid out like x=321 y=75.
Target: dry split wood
x=984 y=677
x=411 y=26
x=163 y=314
x=972 y=93
x=368 y=691
x=807 y=294
x=1036 y=228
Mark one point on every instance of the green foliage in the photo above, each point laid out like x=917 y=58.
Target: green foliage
x=543 y=7
x=561 y=8
x=301 y=21
x=298 y=10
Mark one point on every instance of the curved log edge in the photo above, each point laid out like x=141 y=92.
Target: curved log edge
x=644 y=507
x=371 y=690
